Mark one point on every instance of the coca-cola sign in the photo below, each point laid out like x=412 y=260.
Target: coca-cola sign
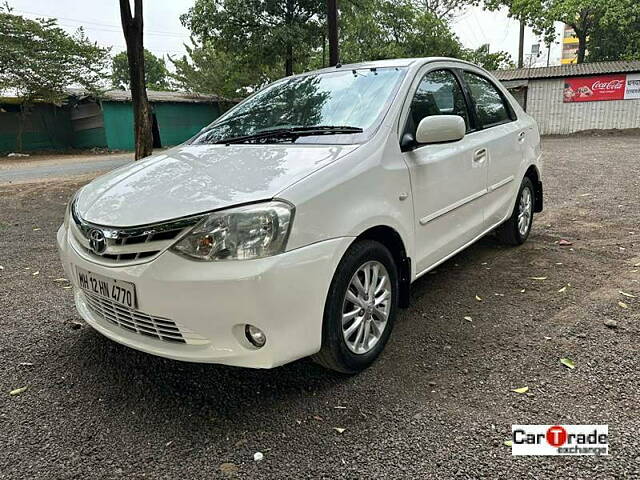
x=594 y=89
x=610 y=85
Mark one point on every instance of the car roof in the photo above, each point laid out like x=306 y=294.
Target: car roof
x=393 y=62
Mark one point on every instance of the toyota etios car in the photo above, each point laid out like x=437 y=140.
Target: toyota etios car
x=294 y=224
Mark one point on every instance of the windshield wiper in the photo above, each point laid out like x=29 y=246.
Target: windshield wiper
x=294 y=132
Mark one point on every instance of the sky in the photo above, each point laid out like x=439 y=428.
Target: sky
x=163 y=33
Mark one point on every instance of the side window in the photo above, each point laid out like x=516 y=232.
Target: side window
x=439 y=93
x=489 y=104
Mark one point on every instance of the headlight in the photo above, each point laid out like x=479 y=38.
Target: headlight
x=243 y=233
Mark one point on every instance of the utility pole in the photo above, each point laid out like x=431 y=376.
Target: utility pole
x=521 y=46
x=332 y=22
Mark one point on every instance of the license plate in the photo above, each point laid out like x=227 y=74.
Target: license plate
x=122 y=293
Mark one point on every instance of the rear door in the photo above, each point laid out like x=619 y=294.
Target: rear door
x=501 y=134
x=448 y=180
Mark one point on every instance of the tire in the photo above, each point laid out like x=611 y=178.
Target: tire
x=510 y=232
x=348 y=355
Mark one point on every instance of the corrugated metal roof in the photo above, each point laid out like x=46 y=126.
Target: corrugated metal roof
x=153 y=96
x=571 y=70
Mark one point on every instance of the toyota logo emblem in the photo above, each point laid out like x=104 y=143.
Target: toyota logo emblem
x=97 y=242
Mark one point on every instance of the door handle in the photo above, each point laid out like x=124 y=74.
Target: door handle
x=521 y=136
x=480 y=155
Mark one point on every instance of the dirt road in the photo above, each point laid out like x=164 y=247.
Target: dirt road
x=57 y=167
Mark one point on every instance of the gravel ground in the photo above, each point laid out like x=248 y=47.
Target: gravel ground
x=438 y=404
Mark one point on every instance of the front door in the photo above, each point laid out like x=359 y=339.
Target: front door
x=448 y=180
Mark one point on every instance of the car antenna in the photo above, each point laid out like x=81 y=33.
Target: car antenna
x=338 y=65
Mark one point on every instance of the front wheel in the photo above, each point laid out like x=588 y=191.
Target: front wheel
x=360 y=308
x=516 y=230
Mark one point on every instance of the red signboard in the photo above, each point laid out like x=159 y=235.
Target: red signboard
x=594 y=89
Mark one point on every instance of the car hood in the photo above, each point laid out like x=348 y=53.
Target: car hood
x=192 y=179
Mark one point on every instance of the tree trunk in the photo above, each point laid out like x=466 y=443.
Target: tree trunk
x=582 y=47
x=332 y=23
x=21 y=120
x=132 y=28
x=288 y=65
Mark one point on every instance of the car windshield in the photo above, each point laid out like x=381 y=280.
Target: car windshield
x=349 y=100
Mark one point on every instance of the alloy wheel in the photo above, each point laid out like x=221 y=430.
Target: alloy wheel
x=525 y=208
x=366 y=307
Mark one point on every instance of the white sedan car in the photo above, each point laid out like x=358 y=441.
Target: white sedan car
x=294 y=224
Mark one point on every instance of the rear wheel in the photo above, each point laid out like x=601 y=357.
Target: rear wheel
x=360 y=308
x=515 y=231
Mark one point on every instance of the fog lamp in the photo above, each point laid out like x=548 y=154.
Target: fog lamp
x=255 y=336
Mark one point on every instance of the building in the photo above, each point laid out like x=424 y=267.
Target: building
x=569 y=46
x=84 y=121
x=576 y=97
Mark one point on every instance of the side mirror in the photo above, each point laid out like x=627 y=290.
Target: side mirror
x=440 y=128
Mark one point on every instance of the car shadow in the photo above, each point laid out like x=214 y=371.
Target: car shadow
x=127 y=379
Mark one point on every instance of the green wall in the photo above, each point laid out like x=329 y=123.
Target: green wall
x=50 y=128
x=46 y=128
x=178 y=122
x=118 y=125
x=93 y=137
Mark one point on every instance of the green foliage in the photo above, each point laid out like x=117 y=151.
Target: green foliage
x=207 y=70
x=490 y=61
x=156 y=73
x=378 y=29
x=40 y=61
x=617 y=35
x=278 y=33
x=241 y=45
x=596 y=22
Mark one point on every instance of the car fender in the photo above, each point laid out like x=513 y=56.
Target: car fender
x=369 y=187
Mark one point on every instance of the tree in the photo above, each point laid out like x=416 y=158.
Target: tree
x=489 y=61
x=40 y=61
x=132 y=27
x=581 y=15
x=369 y=30
x=156 y=73
x=617 y=34
x=614 y=43
x=378 y=29
x=204 y=69
x=276 y=32
x=445 y=9
x=584 y=16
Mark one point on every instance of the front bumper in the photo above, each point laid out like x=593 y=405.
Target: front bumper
x=283 y=295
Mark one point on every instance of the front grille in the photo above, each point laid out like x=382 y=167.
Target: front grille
x=131 y=244
x=141 y=323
